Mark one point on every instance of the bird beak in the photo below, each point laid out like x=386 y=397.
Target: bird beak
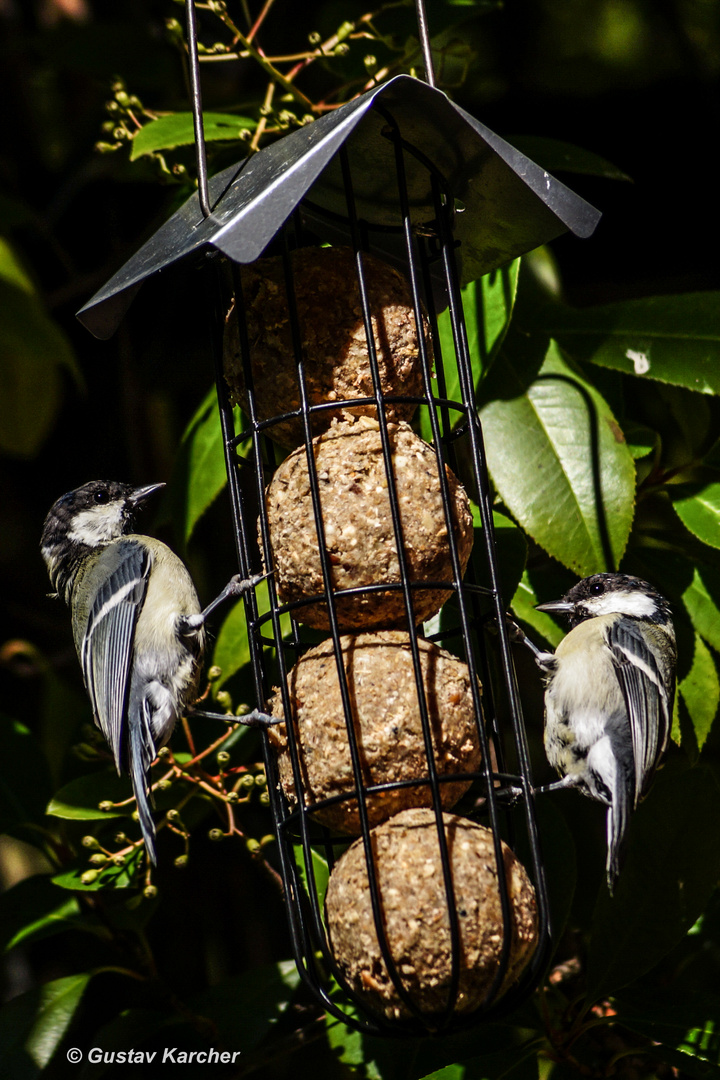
x=563 y=606
x=140 y=494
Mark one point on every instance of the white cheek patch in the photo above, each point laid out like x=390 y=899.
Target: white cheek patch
x=97 y=525
x=622 y=603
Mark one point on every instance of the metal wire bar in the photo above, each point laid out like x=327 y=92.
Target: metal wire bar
x=196 y=104
x=424 y=35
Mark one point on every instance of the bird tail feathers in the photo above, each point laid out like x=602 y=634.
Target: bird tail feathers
x=141 y=755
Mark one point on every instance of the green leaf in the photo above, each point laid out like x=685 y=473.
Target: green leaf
x=232 y=648
x=33 y=1024
x=673 y=853
x=320 y=872
x=518 y=1063
x=560 y=463
x=24 y=778
x=487 y=308
x=199 y=471
x=702 y=602
x=689 y=1025
x=558 y=156
x=699 y=510
x=641 y=440
x=34 y=909
x=674 y=339
x=178 y=130
x=108 y=877
x=523 y=606
x=700 y=691
x=33 y=352
x=80 y=799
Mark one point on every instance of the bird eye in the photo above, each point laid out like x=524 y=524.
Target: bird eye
x=102 y=497
x=597 y=588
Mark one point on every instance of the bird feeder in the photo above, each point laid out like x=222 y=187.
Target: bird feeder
x=401 y=179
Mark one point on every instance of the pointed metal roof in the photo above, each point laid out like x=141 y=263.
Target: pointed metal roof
x=511 y=205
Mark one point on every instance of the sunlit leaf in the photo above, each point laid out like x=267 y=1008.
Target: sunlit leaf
x=178 y=130
x=33 y=1024
x=320 y=873
x=35 y=909
x=561 y=465
x=702 y=602
x=487 y=308
x=523 y=606
x=232 y=648
x=699 y=510
x=81 y=798
x=106 y=877
x=199 y=473
x=675 y=339
x=700 y=690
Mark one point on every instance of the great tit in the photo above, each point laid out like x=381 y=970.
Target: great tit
x=609 y=690
x=137 y=623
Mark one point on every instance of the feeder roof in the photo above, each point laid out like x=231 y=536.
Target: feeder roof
x=510 y=204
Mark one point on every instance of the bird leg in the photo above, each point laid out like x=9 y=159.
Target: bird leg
x=544 y=660
x=256 y=718
x=236 y=586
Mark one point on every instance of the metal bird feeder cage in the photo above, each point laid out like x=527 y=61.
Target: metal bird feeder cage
x=402 y=174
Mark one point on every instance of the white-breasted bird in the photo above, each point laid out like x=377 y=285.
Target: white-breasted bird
x=609 y=690
x=137 y=623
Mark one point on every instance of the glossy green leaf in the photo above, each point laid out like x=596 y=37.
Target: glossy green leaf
x=177 y=130
x=558 y=156
x=320 y=872
x=641 y=440
x=199 y=472
x=33 y=1024
x=35 y=909
x=700 y=691
x=33 y=354
x=107 y=877
x=232 y=648
x=699 y=510
x=80 y=799
x=561 y=465
x=674 y=339
x=702 y=602
x=523 y=606
x=673 y=853
x=487 y=309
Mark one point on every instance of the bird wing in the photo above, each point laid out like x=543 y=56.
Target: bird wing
x=647 y=697
x=121 y=574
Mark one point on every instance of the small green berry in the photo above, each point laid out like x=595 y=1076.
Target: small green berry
x=150 y=892
x=89 y=877
x=98 y=859
x=106 y=806
x=181 y=861
x=215 y=834
x=90 y=842
x=252 y=845
x=223 y=757
x=214 y=673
